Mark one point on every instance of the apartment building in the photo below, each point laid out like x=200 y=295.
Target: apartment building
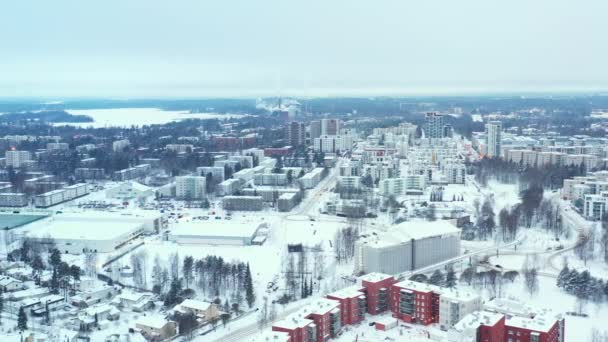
x=244 y=203
x=330 y=126
x=596 y=206
x=190 y=187
x=295 y=133
x=434 y=125
x=120 y=145
x=333 y=143
x=217 y=172
x=17 y=159
x=353 y=304
x=180 y=148
x=493 y=139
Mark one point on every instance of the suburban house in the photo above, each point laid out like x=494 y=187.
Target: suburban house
x=156 y=328
x=204 y=310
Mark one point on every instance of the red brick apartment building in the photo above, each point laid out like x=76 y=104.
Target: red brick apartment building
x=299 y=328
x=415 y=302
x=485 y=326
x=353 y=304
x=376 y=289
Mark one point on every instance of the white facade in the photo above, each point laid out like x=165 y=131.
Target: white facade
x=454 y=305
x=493 y=138
x=190 y=187
x=330 y=126
x=119 y=145
x=311 y=179
x=17 y=158
x=217 y=172
x=333 y=143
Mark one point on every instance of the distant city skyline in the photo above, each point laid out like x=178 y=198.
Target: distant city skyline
x=140 y=49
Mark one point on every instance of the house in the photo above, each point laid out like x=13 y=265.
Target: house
x=9 y=284
x=135 y=301
x=156 y=328
x=93 y=295
x=97 y=316
x=204 y=310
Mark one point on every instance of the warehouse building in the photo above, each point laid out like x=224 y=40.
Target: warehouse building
x=407 y=246
x=100 y=232
x=216 y=233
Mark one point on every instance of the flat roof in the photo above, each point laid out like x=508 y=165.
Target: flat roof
x=406 y=231
x=92 y=225
x=542 y=322
x=478 y=318
x=375 y=277
x=349 y=292
x=216 y=228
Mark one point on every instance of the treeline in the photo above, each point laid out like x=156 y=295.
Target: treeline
x=532 y=210
x=582 y=285
x=212 y=276
x=549 y=176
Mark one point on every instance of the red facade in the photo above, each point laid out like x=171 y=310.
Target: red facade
x=423 y=307
x=299 y=334
x=377 y=294
x=554 y=334
x=351 y=311
x=494 y=333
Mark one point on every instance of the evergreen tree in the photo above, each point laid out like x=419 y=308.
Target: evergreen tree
x=1 y=304
x=22 y=320
x=54 y=283
x=563 y=275
x=437 y=278
x=450 y=278
x=310 y=288
x=55 y=258
x=37 y=265
x=187 y=269
x=249 y=294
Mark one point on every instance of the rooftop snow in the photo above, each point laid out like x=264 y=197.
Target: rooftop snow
x=216 y=228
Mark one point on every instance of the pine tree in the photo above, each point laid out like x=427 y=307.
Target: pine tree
x=1 y=304
x=55 y=258
x=310 y=288
x=249 y=295
x=22 y=320
x=450 y=278
x=563 y=275
x=437 y=278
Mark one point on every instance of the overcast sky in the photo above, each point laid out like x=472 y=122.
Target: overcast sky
x=191 y=48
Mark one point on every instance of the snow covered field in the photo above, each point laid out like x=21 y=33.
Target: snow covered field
x=126 y=117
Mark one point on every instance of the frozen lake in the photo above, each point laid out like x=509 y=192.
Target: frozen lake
x=125 y=117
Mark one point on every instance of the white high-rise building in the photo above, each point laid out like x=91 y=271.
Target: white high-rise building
x=17 y=158
x=493 y=138
x=120 y=145
x=190 y=187
x=434 y=125
x=333 y=143
x=330 y=127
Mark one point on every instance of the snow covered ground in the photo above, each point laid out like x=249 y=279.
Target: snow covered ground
x=126 y=117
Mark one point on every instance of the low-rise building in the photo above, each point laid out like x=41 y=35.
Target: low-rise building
x=244 y=203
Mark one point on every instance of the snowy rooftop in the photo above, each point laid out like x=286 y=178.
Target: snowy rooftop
x=320 y=306
x=349 y=292
x=216 y=228
x=420 y=287
x=406 y=231
x=94 y=225
x=272 y=336
x=374 y=277
x=543 y=322
x=476 y=319
x=294 y=321
x=510 y=307
x=195 y=305
x=155 y=321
